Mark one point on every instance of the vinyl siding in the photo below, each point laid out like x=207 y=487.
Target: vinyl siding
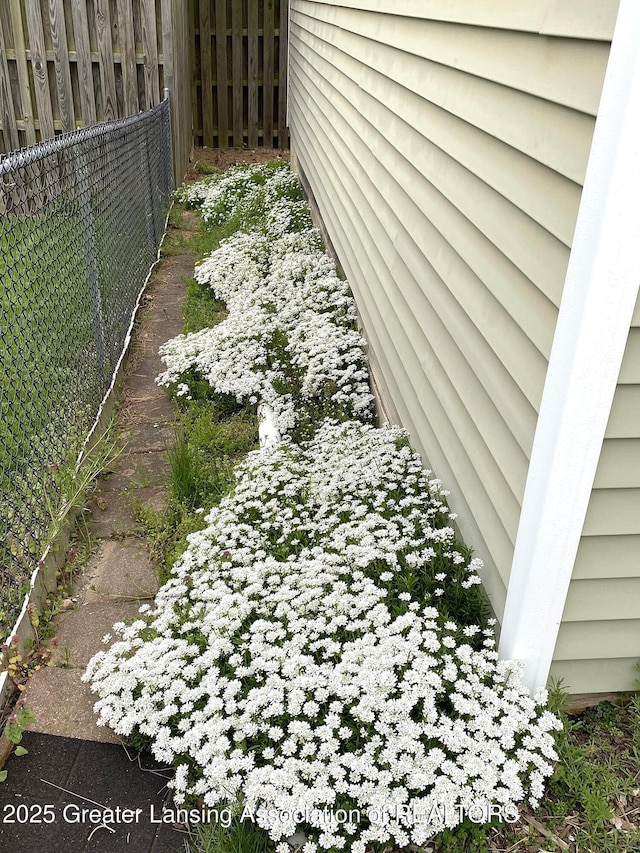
x=602 y=614
x=580 y=676
x=446 y=148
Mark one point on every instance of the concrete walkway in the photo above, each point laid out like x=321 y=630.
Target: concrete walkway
x=71 y=763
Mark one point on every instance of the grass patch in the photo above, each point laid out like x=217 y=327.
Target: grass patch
x=201 y=308
x=198 y=242
x=239 y=837
x=201 y=471
x=206 y=168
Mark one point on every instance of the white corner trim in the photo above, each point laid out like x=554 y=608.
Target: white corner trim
x=595 y=314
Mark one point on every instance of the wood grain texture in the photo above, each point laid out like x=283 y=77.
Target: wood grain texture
x=221 y=73
x=128 y=57
x=253 y=81
x=244 y=58
x=283 y=69
x=105 y=60
x=26 y=111
x=150 y=53
x=269 y=70
x=177 y=51
x=42 y=93
x=7 y=114
x=84 y=63
x=61 y=64
x=206 y=79
x=236 y=73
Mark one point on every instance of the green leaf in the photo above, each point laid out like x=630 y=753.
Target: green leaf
x=26 y=717
x=13 y=732
x=20 y=750
x=3 y=775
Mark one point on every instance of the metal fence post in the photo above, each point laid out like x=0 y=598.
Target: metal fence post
x=83 y=192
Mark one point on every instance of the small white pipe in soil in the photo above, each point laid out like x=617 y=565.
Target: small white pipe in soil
x=267 y=430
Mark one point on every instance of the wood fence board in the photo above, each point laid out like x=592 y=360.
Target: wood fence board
x=23 y=72
x=96 y=60
x=253 y=78
x=105 y=59
x=177 y=49
x=236 y=75
x=7 y=113
x=221 y=73
x=128 y=57
x=167 y=46
x=150 y=51
x=206 y=77
x=39 y=70
x=61 y=64
x=193 y=15
x=84 y=63
x=269 y=70
x=283 y=70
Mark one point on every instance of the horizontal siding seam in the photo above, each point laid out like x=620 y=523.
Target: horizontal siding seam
x=533 y=399
x=415 y=390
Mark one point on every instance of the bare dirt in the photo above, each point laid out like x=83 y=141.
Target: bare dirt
x=224 y=158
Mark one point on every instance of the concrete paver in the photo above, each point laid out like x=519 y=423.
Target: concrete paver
x=63 y=706
x=120 y=571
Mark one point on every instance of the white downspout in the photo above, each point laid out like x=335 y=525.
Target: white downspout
x=595 y=314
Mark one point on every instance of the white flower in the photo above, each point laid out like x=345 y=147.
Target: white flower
x=277 y=665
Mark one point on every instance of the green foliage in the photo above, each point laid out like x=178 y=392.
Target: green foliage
x=62 y=491
x=201 y=471
x=594 y=789
x=201 y=309
x=239 y=837
x=467 y=837
x=18 y=722
x=20 y=719
x=198 y=243
x=206 y=168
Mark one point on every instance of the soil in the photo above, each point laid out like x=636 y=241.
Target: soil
x=223 y=158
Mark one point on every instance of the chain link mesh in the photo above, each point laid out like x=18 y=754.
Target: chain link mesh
x=81 y=219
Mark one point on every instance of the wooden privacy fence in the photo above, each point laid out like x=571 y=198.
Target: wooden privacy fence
x=66 y=64
x=241 y=55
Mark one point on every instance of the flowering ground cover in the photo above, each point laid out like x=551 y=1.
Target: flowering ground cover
x=320 y=658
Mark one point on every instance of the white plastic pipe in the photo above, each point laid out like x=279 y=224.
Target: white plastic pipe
x=267 y=430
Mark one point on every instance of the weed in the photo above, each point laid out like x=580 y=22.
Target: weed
x=240 y=837
x=201 y=309
x=593 y=798
x=201 y=465
x=205 y=168
x=17 y=722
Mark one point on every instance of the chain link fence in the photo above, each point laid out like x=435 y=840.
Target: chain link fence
x=81 y=219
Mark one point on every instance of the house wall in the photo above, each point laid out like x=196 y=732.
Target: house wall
x=598 y=645
x=446 y=148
